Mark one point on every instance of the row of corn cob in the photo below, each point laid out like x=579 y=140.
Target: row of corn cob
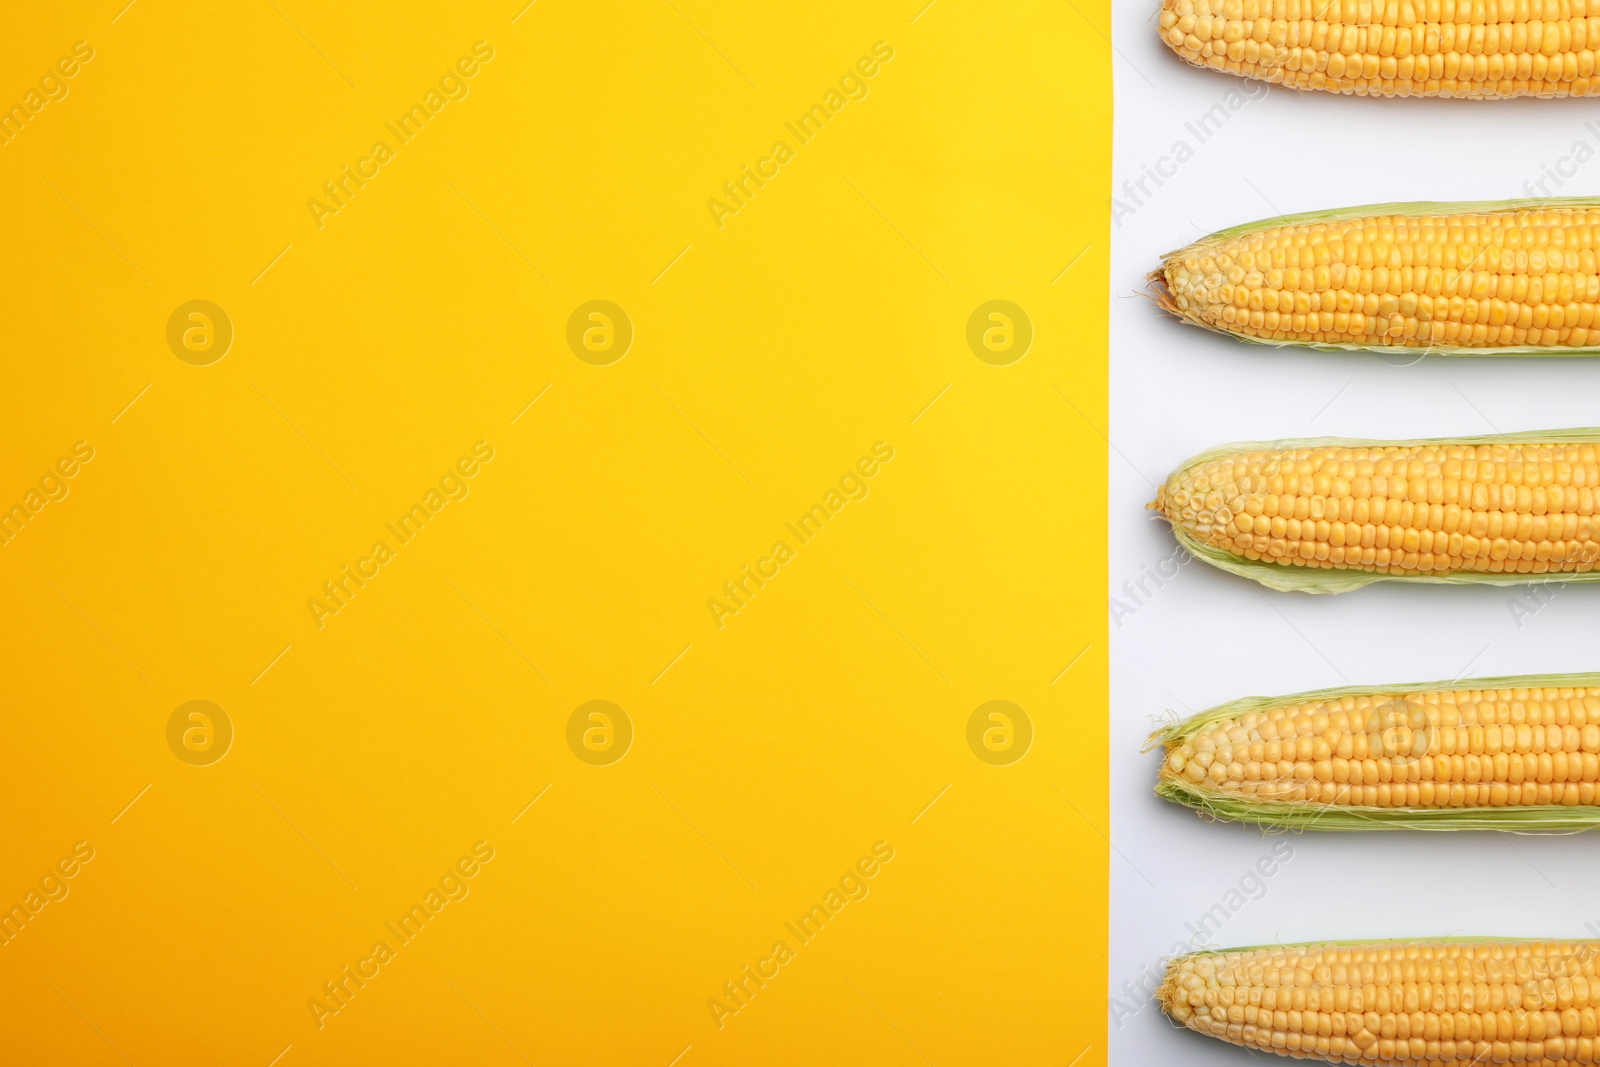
x=1512 y=278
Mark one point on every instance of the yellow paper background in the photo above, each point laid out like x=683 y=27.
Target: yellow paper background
x=769 y=354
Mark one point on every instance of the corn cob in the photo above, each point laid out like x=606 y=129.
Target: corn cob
x=1491 y=278
x=1487 y=754
x=1473 y=49
x=1419 y=1003
x=1328 y=515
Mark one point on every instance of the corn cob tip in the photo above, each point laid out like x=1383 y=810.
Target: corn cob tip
x=1159 y=289
x=1159 y=504
x=1162 y=736
x=1169 y=993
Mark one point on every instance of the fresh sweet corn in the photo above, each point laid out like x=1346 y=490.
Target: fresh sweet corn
x=1509 y=277
x=1472 y=49
x=1495 y=753
x=1418 y=1003
x=1328 y=515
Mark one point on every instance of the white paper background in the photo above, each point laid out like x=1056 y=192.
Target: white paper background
x=1206 y=637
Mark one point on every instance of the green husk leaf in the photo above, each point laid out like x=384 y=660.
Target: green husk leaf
x=1269 y=815
x=1157 y=281
x=1453 y=939
x=1293 y=815
x=1294 y=578
x=1407 y=207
